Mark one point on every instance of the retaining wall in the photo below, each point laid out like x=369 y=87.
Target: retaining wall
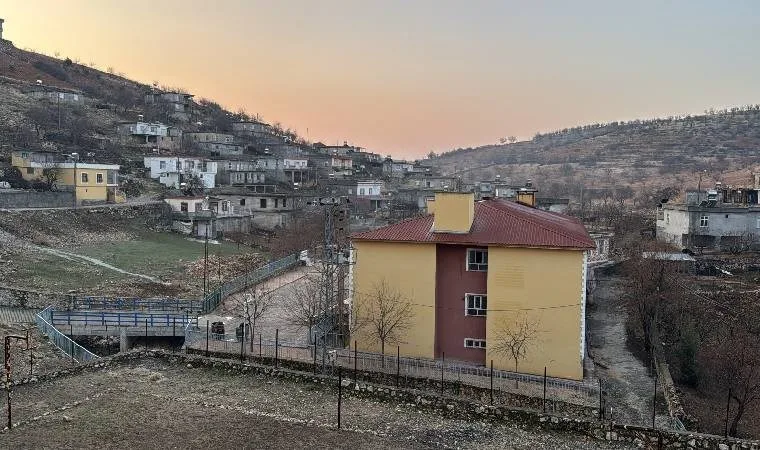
x=11 y=199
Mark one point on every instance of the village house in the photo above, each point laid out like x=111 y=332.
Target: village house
x=469 y=272
x=91 y=182
x=180 y=103
x=154 y=135
x=192 y=215
x=252 y=128
x=726 y=217
x=172 y=171
x=267 y=210
x=340 y=150
x=296 y=169
x=240 y=173
x=397 y=169
x=55 y=94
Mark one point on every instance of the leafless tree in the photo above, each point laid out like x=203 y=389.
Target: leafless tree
x=41 y=118
x=733 y=360
x=512 y=139
x=306 y=304
x=514 y=338
x=387 y=314
x=50 y=175
x=252 y=306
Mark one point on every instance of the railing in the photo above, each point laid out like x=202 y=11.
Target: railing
x=577 y=392
x=116 y=319
x=273 y=268
x=60 y=340
x=136 y=304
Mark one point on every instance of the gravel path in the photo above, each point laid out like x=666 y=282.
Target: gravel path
x=152 y=401
x=625 y=378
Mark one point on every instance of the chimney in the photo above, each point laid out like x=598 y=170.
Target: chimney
x=453 y=212
x=1 y=29
x=527 y=195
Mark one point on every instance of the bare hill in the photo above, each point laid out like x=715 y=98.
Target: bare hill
x=638 y=155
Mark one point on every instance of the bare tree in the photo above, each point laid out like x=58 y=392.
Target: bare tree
x=512 y=139
x=305 y=307
x=733 y=360
x=252 y=306
x=514 y=338
x=387 y=314
x=50 y=175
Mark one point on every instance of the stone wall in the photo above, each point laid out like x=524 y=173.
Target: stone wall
x=35 y=199
x=643 y=437
x=27 y=298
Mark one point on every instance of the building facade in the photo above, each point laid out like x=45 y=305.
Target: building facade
x=471 y=270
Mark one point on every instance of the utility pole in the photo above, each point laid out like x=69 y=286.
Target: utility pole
x=8 y=371
x=205 y=264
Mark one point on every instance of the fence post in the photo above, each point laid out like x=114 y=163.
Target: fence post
x=443 y=362
x=654 y=399
x=276 y=347
x=728 y=411
x=356 y=354
x=259 y=345
x=208 y=331
x=544 y=389
x=340 y=391
x=315 y=356
x=146 y=335
x=601 y=410
x=242 y=345
x=398 y=362
x=491 y=376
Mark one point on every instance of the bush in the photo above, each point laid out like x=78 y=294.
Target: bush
x=51 y=69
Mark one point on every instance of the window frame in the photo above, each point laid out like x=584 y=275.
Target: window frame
x=476 y=266
x=478 y=299
x=99 y=178
x=474 y=343
x=704 y=221
x=263 y=203
x=84 y=177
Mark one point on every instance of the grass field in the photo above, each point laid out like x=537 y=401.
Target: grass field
x=159 y=255
x=153 y=403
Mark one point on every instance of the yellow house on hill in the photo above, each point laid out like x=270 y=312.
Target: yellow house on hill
x=472 y=273
x=91 y=182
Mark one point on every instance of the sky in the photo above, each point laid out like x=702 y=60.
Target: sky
x=406 y=77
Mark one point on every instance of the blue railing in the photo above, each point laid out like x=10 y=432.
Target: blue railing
x=117 y=319
x=60 y=340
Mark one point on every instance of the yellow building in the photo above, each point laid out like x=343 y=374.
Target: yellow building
x=91 y=182
x=471 y=275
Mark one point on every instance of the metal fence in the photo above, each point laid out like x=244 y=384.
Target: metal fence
x=117 y=319
x=60 y=340
x=450 y=372
x=136 y=304
x=271 y=269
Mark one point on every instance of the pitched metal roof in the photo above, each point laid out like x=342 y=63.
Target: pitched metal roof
x=497 y=223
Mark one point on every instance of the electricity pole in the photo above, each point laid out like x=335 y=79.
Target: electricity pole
x=205 y=264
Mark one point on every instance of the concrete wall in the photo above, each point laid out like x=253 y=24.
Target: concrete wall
x=454 y=212
x=721 y=222
x=408 y=269
x=35 y=199
x=546 y=288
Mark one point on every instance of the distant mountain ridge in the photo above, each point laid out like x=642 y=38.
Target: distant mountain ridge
x=671 y=151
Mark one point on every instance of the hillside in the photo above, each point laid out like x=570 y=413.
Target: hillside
x=90 y=127
x=641 y=155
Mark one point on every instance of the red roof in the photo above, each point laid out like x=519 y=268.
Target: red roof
x=496 y=223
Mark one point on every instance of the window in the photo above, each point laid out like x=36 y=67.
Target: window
x=183 y=206
x=757 y=223
x=361 y=191
x=162 y=164
x=30 y=170
x=242 y=202
x=225 y=206
x=277 y=203
x=99 y=178
x=85 y=178
x=474 y=343
x=475 y=305
x=263 y=203
x=198 y=206
x=477 y=260
x=703 y=220
x=667 y=218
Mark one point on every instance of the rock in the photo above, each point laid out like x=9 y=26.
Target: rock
x=722 y=446
x=189 y=366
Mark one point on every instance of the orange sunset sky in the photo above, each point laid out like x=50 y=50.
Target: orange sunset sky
x=408 y=77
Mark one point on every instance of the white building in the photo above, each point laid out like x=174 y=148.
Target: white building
x=171 y=171
x=369 y=188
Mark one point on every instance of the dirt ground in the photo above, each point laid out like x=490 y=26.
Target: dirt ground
x=153 y=403
x=624 y=377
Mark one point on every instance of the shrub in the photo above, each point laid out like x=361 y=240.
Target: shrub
x=51 y=69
